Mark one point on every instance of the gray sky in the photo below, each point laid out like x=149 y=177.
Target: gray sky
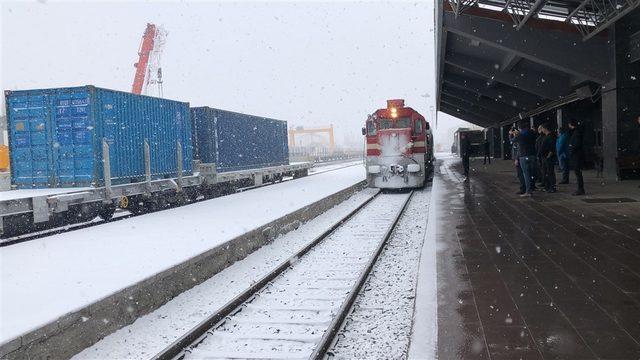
x=310 y=63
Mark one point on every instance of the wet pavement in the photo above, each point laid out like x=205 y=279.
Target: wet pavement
x=552 y=277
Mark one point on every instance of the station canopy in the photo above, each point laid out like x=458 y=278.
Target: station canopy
x=500 y=61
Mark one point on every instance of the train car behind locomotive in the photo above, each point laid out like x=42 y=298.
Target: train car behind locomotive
x=399 y=147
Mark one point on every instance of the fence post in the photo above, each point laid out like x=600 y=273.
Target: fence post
x=179 y=165
x=147 y=163
x=106 y=168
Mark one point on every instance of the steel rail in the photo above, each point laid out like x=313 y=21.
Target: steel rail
x=178 y=347
x=335 y=326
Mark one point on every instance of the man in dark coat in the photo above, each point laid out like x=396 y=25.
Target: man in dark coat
x=548 y=156
x=487 y=152
x=539 y=174
x=465 y=152
x=576 y=154
x=527 y=152
x=515 y=155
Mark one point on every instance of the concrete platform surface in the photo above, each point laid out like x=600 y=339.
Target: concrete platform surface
x=548 y=277
x=47 y=278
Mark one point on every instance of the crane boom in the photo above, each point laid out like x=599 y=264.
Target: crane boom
x=141 y=66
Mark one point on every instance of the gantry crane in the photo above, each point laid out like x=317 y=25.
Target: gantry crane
x=148 y=70
x=300 y=130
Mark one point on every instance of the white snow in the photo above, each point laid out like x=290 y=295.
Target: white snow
x=28 y=193
x=49 y=277
x=153 y=332
x=287 y=318
x=380 y=322
x=320 y=168
x=425 y=318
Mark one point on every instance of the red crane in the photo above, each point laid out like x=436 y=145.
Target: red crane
x=146 y=47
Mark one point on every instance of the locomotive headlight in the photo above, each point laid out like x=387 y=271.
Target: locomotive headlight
x=394 y=112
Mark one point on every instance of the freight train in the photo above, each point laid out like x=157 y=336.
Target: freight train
x=399 y=147
x=81 y=152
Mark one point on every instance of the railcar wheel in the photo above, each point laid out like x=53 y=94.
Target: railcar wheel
x=106 y=212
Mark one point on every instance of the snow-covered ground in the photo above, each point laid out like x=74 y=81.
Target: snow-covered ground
x=151 y=333
x=380 y=323
x=49 y=277
x=320 y=168
x=424 y=334
x=28 y=193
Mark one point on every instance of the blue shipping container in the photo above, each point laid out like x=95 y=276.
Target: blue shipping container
x=55 y=136
x=235 y=141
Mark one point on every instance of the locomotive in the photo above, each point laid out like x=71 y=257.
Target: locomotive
x=399 y=147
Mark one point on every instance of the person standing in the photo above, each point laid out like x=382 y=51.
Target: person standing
x=539 y=173
x=562 y=149
x=548 y=155
x=576 y=154
x=465 y=152
x=527 y=157
x=515 y=155
x=487 y=153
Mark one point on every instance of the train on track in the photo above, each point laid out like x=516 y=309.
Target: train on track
x=81 y=152
x=399 y=147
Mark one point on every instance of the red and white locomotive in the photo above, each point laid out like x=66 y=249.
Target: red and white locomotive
x=399 y=147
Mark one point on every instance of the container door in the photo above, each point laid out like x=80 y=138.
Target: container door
x=30 y=132
x=73 y=145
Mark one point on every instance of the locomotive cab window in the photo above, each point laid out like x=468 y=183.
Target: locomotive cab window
x=417 y=129
x=403 y=123
x=385 y=124
x=371 y=128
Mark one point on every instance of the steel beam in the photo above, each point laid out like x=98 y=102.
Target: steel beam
x=465 y=115
x=509 y=62
x=480 y=101
x=510 y=96
x=488 y=118
x=543 y=85
x=558 y=50
x=537 y=6
x=593 y=16
x=468 y=105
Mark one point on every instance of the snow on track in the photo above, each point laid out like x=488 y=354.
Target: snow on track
x=151 y=333
x=287 y=318
x=74 y=269
x=379 y=325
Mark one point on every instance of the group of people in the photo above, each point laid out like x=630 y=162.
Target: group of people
x=536 y=152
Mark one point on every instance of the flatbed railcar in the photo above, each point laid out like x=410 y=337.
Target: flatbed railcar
x=399 y=147
x=85 y=152
x=25 y=214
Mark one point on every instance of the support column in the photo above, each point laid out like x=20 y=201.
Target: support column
x=558 y=118
x=609 y=103
x=502 y=142
x=610 y=131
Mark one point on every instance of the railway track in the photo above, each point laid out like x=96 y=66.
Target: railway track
x=296 y=310
x=122 y=215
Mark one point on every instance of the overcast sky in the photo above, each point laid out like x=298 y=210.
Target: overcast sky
x=310 y=63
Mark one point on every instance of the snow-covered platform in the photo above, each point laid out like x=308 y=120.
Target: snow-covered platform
x=45 y=279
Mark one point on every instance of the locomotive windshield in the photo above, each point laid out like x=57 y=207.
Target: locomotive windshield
x=385 y=124
x=402 y=123
x=399 y=123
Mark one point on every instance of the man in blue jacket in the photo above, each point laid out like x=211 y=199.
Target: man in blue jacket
x=562 y=149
